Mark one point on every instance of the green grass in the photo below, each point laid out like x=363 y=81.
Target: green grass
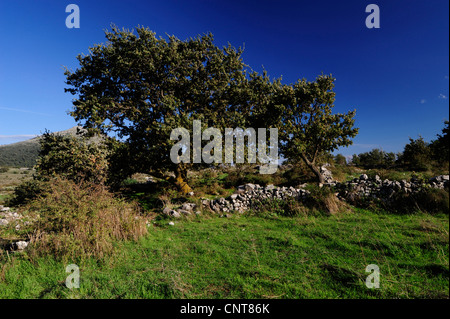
x=3 y=198
x=255 y=257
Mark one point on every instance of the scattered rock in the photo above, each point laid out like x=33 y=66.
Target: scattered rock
x=21 y=245
x=184 y=212
x=188 y=206
x=384 y=190
x=364 y=186
x=175 y=214
x=171 y=223
x=326 y=173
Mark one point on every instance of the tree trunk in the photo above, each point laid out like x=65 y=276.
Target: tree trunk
x=180 y=175
x=178 y=180
x=314 y=169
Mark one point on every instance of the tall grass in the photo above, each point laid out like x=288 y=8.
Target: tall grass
x=79 y=220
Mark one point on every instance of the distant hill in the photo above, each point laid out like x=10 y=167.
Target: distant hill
x=25 y=153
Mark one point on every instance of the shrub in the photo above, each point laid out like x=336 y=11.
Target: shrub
x=71 y=157
x=376 y=158
x=297 y=175
x=25 y=192
x=340 y=160
x=416 y=155
x=431 y=201
x=4 y=169
x=324 y=200
x=79 y=220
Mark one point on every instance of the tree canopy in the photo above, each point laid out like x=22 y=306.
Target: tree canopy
x=308 y=128
x=141 y=88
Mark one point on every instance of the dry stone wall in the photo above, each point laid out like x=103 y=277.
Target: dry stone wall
x=364 y=186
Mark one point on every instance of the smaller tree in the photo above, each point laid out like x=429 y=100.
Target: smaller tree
x=71 y=157
x=416 y=155
x=308 y=128
x=440 y=146
x=340 y=159
x=376 y=158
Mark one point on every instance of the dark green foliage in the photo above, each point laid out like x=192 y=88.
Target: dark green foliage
x=440 y=147
x=25 y=192
x=71 y=157
x=121 y=163
x=308 y=129
x=431 y=201
x=340 y=159
x=4 y=169
x=141 y=87
x=298 y=174
x=376 y=158
x=22 y=154
x=416 y=155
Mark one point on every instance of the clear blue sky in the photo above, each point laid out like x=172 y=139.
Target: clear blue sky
x=396 y=76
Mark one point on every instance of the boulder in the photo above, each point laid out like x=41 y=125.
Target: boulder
x=175 y=214
x=21 y=245
x=188 y=206
x=184 y=212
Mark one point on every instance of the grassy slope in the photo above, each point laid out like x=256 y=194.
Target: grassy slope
x=254 y=257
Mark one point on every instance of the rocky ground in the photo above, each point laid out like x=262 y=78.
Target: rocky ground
x=10 y=218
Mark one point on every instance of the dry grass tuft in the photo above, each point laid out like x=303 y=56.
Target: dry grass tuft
x=79 y=220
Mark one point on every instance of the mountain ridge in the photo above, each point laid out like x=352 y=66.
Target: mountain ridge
x=25 y=153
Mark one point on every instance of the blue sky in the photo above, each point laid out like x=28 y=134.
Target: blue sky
x=395 y=76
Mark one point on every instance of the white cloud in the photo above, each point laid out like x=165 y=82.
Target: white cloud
x=442 y=96
x=423 y=101
x=23 y=111
x=16 y=137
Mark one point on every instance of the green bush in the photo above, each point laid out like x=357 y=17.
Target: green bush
x=4 y=169
x=25 y=192
x=417 y=155
x=71 y=157
x=376 y=158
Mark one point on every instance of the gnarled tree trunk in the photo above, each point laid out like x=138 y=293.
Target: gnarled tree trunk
x=311 y=165
x=180 y=176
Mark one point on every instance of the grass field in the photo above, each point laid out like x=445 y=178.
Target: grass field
x=10 y=178
x=255 y=257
